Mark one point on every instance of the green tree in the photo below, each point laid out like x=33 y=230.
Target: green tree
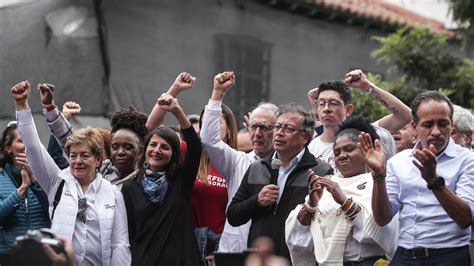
x=463 y=13
x=425 y=61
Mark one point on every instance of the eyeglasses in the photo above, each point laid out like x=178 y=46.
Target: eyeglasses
x=333 y=104
x=263 y=127
x=11 y=124
x=286 y=129
x=82 y=208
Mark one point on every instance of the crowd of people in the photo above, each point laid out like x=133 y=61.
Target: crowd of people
x=292 y=187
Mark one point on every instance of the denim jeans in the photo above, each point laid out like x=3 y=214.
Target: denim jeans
x=207 y=240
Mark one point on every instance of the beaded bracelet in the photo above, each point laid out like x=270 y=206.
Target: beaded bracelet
x=352 y=210
x=347 y=202
x=343 y=209
x=353 y=215
x=310 y=208
x=309 y=213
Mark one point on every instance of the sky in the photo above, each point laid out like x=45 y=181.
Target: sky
x=435 y=9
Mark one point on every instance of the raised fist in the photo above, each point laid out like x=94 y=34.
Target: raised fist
x=184 y=81
x=168 y=102
x=71 y=109
x=46 y=93
x=357 y=79
x=224 y=81
x=21 y=91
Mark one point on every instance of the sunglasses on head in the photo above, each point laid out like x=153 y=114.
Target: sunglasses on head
x=11 y=124
x=81 y=211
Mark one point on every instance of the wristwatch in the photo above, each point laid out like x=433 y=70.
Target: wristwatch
x=437 y=184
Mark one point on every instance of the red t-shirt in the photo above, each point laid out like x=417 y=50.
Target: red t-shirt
x=208 y=203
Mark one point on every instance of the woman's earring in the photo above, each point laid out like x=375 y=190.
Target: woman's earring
x=145 y=165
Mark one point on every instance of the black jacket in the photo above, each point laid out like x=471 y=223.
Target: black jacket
x=265 y=222
x=163 y=235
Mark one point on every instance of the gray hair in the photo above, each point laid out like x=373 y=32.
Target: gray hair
x=268 y=106
x=389 y=147
x=463 y=119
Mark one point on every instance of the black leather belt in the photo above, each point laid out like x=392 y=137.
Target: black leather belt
x=420 y=253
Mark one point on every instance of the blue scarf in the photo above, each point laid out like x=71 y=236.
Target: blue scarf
x=155 y=186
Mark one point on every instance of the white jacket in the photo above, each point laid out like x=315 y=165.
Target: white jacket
x=232 y=165
x=108 y=202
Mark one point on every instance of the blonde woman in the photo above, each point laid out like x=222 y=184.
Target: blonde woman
x=85 y=208
x=210 y=196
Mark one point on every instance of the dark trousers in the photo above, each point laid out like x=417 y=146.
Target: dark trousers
x=455 y=256
x=6 y=260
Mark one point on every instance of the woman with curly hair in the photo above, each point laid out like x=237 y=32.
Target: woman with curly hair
x=122 y=145
x=128 y=129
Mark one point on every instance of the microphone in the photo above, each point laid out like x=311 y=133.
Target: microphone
x=276 y=163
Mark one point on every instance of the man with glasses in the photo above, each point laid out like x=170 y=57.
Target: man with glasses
x=232 y=163
x=333 y=104
x=273 y=186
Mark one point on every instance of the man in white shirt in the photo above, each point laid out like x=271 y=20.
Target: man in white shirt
x=333 y=104
x=231 y=163
x=430 y=186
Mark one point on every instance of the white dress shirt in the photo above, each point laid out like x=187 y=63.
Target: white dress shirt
x=86 y=237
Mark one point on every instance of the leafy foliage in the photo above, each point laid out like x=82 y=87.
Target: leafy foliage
x=463 y=12
x=426 y=62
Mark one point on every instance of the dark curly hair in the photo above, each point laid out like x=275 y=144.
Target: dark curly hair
x=337 y=86
x=353 y=126
x=129 y=118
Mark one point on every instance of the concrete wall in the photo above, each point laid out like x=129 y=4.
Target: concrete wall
x=150 y=43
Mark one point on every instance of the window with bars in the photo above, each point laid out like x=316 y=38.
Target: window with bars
x=249 y=58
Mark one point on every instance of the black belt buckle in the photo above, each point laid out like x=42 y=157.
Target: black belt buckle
x=420 y=253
